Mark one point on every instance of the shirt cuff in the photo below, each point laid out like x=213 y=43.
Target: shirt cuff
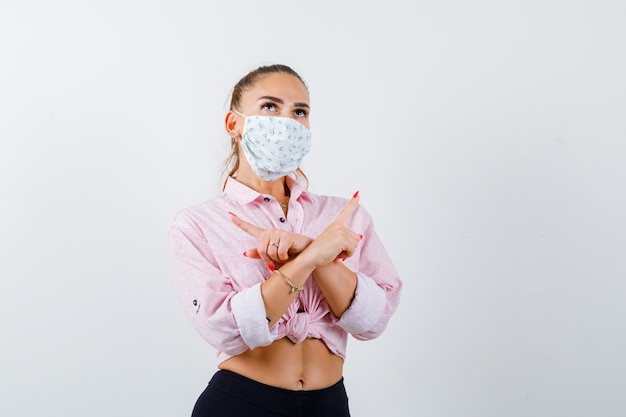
x=366 y=308
x=249 y=312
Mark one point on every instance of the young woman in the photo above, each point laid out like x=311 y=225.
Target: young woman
x=273 y=276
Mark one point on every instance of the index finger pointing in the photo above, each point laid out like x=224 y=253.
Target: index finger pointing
x=249 y=228
x=347 y=211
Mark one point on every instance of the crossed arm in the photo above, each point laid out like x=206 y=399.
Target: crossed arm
x=299 y=257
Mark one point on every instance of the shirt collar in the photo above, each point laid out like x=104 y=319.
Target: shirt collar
x=245 y=195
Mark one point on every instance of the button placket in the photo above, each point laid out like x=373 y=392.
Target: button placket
x=281 y=219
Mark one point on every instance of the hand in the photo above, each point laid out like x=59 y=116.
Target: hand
x=336 y=241
x=275 y=246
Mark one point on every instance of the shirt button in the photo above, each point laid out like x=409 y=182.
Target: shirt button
x=266 y=199
x=195 y=302
x=282 y=220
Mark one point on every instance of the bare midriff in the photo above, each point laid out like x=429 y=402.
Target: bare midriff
x=308 y=365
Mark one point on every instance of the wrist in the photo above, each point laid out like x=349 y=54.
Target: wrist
x=302 y=264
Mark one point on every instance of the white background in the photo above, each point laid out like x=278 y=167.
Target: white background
x=487 y=138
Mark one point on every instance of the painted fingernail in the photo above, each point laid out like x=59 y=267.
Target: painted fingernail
x=232 y=214
x=245 y=253
x=271 y=267
x=360 y=236
x=355 y=195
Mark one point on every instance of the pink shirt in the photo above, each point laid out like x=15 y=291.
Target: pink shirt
x=220 y=289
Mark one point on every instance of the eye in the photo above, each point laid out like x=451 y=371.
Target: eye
x=269 y=107
x=301 y=113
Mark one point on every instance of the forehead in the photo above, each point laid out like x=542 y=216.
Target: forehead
x=284 y=86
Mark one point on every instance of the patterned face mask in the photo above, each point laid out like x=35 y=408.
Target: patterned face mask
x=274 y=146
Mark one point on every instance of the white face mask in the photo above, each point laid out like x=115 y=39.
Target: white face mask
x=274 y=146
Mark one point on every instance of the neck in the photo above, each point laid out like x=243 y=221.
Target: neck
x=277 y=188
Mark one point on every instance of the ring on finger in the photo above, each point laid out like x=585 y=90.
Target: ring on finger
x=275 y=244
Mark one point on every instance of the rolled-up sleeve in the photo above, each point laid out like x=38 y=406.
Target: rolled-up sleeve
x=367 y=306
x=249 y=312
x=231 y=321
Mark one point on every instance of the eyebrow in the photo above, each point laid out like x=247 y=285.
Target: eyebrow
x=281 y=101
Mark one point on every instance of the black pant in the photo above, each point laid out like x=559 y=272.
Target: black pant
x=232 y=395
